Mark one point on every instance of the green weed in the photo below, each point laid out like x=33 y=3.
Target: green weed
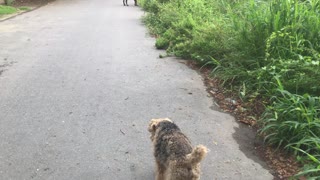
x=311 y=168
x=24 y=8
x=291 y=118
x=7 y=10
x=293 y=122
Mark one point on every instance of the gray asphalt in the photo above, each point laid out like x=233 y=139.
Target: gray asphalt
x=80 y=80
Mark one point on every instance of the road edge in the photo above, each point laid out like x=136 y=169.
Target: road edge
x=11 y=16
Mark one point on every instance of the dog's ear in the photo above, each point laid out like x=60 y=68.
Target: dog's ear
x=152 y=126
x=154 y=123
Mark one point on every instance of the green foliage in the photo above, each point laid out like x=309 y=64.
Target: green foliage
x=8 y=2
x=291 y=118
x=24 y=8
x=150 y=5
x=312 y=162
x=293 y=121
x=7 y=10
x=162 y=43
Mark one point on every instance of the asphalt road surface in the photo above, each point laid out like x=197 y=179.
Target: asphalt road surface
x=80 y=80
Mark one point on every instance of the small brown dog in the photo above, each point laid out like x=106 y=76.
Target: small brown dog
x=175 y=157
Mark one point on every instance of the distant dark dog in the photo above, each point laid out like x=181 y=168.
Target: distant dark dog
x=175 y=157
x=125 y=3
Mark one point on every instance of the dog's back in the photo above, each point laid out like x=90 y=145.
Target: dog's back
x=175 y=157
x=171 y=143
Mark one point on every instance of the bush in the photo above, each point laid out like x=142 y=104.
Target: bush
x=162 y=43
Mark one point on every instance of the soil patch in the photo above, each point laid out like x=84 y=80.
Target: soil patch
x=30 y=3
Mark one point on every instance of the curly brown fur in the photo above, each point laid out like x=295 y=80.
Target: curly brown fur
x=175 y=157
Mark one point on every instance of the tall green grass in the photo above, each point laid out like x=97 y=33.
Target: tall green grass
x=290 y=119
x=292 y=122
x=260 y=48
x=310 y=159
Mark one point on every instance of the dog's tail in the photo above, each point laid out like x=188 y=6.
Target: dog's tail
x=197 y=154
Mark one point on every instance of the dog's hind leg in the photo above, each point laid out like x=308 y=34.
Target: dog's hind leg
x=160 y=175
x=160 y=172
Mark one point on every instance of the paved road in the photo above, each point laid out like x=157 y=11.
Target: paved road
x=80 y=80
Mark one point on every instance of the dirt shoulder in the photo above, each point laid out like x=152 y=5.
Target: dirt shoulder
x=30 y=3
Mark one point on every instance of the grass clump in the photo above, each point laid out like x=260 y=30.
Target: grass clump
x=290 y=119
x=7 y=10
x=293 y=121
x=24 y=8
x=268 y=49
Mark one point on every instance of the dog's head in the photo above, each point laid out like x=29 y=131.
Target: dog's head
x=152 y=128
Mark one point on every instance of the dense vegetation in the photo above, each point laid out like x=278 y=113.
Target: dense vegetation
x=8 y=2
x=266 y=49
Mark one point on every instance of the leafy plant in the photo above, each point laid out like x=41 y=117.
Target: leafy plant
x=291 y=118
x=312 y=166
